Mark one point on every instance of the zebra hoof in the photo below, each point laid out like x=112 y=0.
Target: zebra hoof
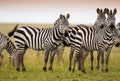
x=91 y=68
x=106 y=70
x=79 y=68
x=69 y=68
x=44 y=69
x=17 y=69
x=50 y=68
x=23 y=69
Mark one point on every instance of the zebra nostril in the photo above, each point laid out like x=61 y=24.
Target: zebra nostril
x=117 y=45
x=102 y=26
x=66 y=33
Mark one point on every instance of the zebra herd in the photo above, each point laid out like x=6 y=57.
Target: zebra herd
x=100 y=37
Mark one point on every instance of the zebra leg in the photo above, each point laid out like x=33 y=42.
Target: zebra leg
x=82 y=64
x=83 y=55
x=71 y=57
x=11 y=58
x=52 y=59
x=92 y=59
x=98 y=60
x=59 y=53
x=18 y=62
x=102 y=60
x=107 y=58
x=1 y=58
x=22 y=63
x=75 y=60
x=45 y=59
x=79 y=64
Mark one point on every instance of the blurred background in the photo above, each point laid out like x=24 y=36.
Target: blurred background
x=47 y=11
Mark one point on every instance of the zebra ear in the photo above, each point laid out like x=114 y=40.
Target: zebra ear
x=106 y=10
x=115 y=11
x=98 y=10
x=101 y=11
x=111 y=12
x=68 y=16
x=61 y=16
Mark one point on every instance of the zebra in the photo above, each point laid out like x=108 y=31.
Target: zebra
x=110 y=19
x=88 y=39
x=101 y=19
x=114 y=12
x=6 y=43
x=47 y=39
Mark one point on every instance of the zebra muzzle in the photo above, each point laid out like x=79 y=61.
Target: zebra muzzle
x=66 y=33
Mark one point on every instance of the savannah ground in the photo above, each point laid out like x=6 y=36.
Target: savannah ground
x=34 y=66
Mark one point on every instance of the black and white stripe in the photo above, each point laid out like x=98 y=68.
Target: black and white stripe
x=6 y=43
x=101 y=19
x=47 y=39
x=88 y=39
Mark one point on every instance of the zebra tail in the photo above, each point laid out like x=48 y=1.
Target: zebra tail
x=12 y=32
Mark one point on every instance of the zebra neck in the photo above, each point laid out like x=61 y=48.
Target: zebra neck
x=56 y=34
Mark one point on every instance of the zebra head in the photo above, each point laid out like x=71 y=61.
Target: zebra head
x=112 y=33
x=101 y=18
x=62 y=23
x=110 y=15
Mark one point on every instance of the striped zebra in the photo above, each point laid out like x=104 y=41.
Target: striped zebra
x=110 y=19
x=6 y=43
x=88 y=39
x=47 y=39
x=101 y=19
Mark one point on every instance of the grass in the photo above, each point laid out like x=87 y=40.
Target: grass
x=34 y=66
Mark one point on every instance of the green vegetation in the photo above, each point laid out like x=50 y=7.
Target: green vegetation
x=34 y=66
